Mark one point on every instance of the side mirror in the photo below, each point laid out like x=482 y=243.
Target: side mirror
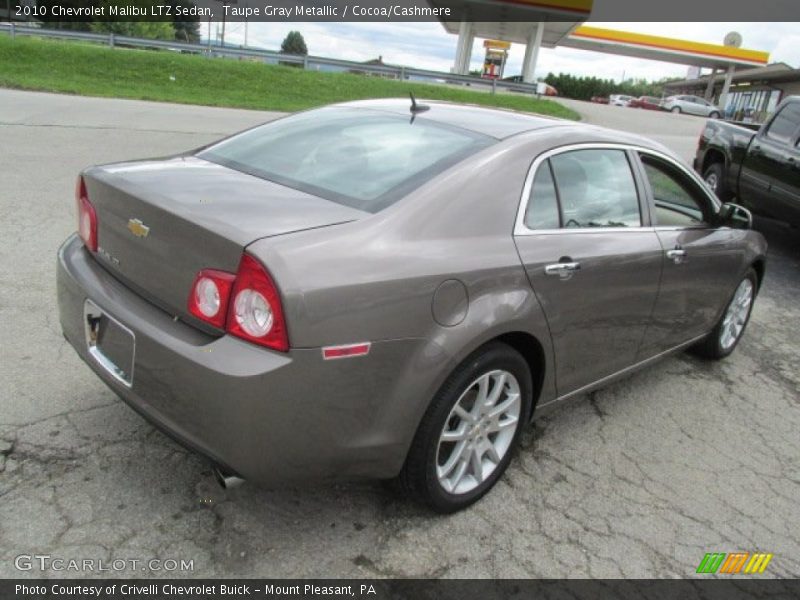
x=734 y=216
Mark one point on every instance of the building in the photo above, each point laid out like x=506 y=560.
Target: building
x=753 y=94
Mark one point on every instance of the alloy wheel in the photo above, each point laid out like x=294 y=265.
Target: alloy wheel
x=736 y=315
x=713 y=181
x=478 y=432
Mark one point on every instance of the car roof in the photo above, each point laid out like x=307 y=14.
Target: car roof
x=494 y=122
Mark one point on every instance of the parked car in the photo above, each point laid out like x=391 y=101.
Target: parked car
x=619 y=100
x=761 y=168
x=600 y=99
x=691 y=105
x=344 y=293
x=646 y=102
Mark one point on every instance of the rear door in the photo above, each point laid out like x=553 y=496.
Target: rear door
x=780 y=158
x=701 y=262
x=697 y=106
x=593 y=262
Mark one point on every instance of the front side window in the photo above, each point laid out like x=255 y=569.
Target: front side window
x=679 y=201
x=596 y=189
x=785 y=123
x=363 y=158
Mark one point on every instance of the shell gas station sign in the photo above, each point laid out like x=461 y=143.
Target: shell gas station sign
x=495 y=60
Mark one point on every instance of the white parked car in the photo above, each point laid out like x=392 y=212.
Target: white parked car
x=691 y=105
x=619 y=100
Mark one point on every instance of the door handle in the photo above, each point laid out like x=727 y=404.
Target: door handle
x=677 y=255
x=563 y=270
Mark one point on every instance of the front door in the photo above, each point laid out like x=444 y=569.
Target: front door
x=771 y=165
x=786 y=186
x=698 y=261
x=593 y=266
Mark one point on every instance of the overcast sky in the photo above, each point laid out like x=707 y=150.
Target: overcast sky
x=427 y=45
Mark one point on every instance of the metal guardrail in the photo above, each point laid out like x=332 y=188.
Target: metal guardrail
x=308 y=62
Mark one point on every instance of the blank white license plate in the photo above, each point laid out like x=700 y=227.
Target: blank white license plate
x=110 y=343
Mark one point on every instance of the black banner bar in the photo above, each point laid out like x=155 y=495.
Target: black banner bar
x=394 y=11
x=733 y=588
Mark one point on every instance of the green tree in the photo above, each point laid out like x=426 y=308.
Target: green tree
x=187 y=28
x=294 y=44
x=583 y=88
x=53 y=22
x=138 y=29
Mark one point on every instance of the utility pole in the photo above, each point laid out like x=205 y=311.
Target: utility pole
x=222 y=37
x=245 y=28
x=224 y=4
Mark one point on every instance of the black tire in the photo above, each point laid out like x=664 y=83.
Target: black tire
x=676 y=109
x=711 y=346
x=714 y=115
x=419 y=479
x=716 y=172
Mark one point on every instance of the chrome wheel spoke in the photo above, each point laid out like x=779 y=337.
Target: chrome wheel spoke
x=499 y=425
x=455 y=435
x=504 y=407
x=491 y=452
x=454 y=458
x=463 y=414
x=459 y=474
x=482 y=397
x=497 y=390
x=476 y=464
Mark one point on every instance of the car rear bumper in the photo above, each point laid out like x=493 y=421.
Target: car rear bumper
x=266 y=416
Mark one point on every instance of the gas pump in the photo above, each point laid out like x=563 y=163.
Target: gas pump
x=495 y=60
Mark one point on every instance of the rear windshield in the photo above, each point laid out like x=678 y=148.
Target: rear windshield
x=362 y=158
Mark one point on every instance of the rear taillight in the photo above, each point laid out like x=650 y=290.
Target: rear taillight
x=87 y=217
x=246 y=305
x=255 y=312
x=210 y=294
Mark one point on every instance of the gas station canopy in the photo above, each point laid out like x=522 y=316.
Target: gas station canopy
x=554 y=32
x=534 y=23
x=655 y=47
x=552 y=23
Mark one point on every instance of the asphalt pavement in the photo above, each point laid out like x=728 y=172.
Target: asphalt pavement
x=640 y=479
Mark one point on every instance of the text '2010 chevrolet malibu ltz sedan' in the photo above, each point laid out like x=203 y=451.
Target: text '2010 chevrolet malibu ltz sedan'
x=359 y=292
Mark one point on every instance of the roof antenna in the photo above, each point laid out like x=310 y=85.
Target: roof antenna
x=416 y=108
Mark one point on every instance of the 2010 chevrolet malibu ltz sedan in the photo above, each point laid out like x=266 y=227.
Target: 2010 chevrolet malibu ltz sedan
x=364 y=291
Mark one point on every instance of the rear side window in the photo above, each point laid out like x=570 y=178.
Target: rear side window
x=542 y=210
x=785 y=123
x=596 y=189
x=366 y=159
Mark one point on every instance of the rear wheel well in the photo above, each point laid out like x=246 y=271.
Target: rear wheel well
x=711 y=157
x=533 y=353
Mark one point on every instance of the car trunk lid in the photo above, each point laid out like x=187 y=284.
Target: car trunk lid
x=160 y=222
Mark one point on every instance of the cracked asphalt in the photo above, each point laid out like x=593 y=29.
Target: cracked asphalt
x=637 y=480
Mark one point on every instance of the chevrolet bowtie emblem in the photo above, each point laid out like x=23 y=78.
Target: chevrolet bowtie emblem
x=138 y=228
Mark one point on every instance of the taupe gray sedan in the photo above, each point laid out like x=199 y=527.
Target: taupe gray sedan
x=361 y=291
